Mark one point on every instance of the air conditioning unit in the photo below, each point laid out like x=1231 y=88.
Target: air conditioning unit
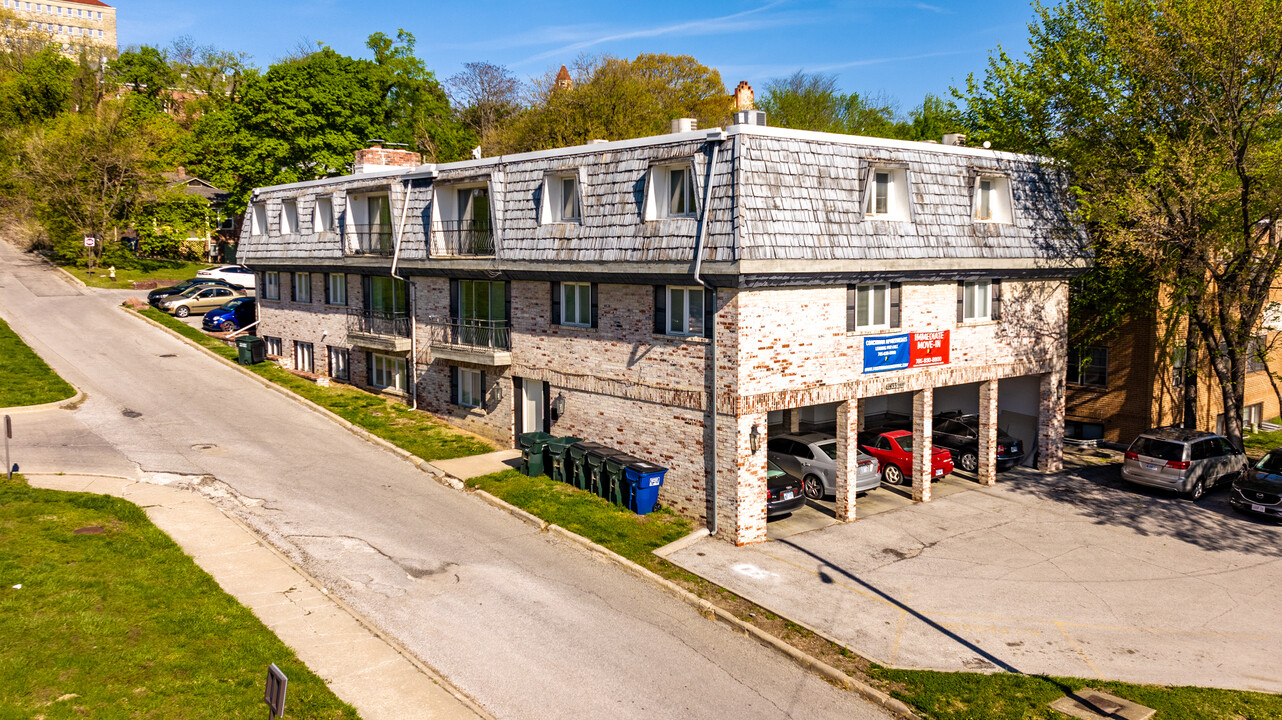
x=750 y=117
x=684 y=125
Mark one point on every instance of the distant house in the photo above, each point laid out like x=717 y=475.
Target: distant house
x=220 y=245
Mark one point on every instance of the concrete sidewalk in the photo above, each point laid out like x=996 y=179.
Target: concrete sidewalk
x=465 y=468
x=359 y=665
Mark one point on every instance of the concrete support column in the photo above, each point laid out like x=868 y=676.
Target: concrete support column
x=923 y=432
x=748 y=480
x=792 y=420
x=848 y=416
x=988 y=432
x=1050 y=423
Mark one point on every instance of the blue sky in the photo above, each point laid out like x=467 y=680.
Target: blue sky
x=901 y=49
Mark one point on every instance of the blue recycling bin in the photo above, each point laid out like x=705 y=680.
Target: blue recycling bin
x=644 y=481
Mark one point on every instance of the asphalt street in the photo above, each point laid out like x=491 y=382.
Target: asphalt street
x=526 y=624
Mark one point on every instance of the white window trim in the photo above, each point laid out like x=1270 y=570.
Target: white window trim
x=323 y=215
x=468 y=382
x=898 y=195
x=550 y=211
x=380 y=367
x=1003 y=212
x=344 y=358
x=885 y=307
x=288 y=217
x=330 y=286
x=273 y=343
x=685 y=325
x=271 y=285
x=304 y=351
x=988 y=301
x=658 y=192
x=568 y=312
x=305 y=287
x=257 y=219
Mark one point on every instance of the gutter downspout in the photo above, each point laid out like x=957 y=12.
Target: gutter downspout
x=716 y=137
x=233 y=335
x=412 y=366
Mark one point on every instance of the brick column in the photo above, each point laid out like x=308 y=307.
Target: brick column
x=847 y=457
x=747 y=479
x=1050 y=423
x=988 y=432
x=792 y=421
x=923 y=430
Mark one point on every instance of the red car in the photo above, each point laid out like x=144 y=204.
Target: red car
x=894 y=450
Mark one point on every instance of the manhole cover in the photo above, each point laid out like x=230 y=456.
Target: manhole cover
x=204 y=446
x=169 y=355
x=91 y=530
x=131 y=413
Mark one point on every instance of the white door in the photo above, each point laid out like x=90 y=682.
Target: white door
x=532 y=409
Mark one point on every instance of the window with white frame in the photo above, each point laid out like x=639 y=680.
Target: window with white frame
x=273 y=346
x=386 y=371
x=338 y=363
x=288 y=217
x=887 y=194
x=471 y=388
x=335 y=289
x=576 y=304
x=562 y=204
x=976 y=300
x=872 y=306
x=685 y=311
x=323 y=215
x=992 y=199
x=258 y=219
x=671 y=192
x=271 y=285
x=304 y=357
x=302 y=287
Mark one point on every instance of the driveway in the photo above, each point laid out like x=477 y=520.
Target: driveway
x=1072 y=574
x=528 y=625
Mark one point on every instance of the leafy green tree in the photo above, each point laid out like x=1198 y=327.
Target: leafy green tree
x=37 y=89
x=145 y=71
x=416 y=108
x=165 y=222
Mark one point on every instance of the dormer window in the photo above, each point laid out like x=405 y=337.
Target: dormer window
x=561 y=204
x=258 y=219
x=288 y=217
x=323 y=215
x=887 y=194
x=671 y=192
x=992 y=199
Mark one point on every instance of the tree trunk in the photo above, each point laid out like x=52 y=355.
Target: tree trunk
x=1190 y=375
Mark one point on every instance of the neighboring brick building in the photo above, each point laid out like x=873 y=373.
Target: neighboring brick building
x=74 y=23
x=667 y=295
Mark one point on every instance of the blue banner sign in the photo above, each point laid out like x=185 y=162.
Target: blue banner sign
x=888 y=352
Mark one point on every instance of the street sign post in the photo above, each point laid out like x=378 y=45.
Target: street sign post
x=275 y=694
x=90 y=241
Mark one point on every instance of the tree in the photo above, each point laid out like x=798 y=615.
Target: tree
x=811 y=101
x=1169 y=115
x=486 y=96
x=165 y=221
x=416 y=109
x=145 y=71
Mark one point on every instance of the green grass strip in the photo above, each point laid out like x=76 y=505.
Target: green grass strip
x=416 y=432
x=25 y=379
x=122 y=624
x=164 y=270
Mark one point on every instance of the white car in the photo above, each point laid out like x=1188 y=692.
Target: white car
x=234 y=274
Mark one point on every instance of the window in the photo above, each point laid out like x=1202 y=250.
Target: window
x=271 y=285
x=975 y=300
x=338 y=367
x=1179 y=364
x=685 y=311
x=1257 y=354
x=323 y=215
x=273 y=346
x=576 y=304
x=304 y=357
x=1088 y=366
x=469 y=390
x=1077 y=430
x=562 y=199
x=386 y=371
x=302 y=287
x=335 y=289
x=872 y=306
x=671 y=192
x=257 y=219
x=887 y=194
x=992 y=199
x=288 y=217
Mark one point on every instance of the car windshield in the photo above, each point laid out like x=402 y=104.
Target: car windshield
x=1160 y=449
x=829 y=448
x=905 y=443
x=1271 y=463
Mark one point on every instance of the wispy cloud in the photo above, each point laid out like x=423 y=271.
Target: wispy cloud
x=884 y=60
x=933 y=8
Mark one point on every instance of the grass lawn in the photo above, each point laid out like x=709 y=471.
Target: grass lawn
x=122 y=624
x=1256 y=444
x=150 y=270
x=417 y=432
x=25 y=379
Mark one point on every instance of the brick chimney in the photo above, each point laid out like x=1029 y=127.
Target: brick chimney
x=377 y=157
x=743 y=99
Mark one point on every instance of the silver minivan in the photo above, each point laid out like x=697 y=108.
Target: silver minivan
x=1186 y=461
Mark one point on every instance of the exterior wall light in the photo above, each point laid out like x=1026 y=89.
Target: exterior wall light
x=754 y=438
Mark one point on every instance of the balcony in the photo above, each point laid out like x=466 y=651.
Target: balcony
x=372 y=240
x=463 y=238
x=377 y=330
x=480 y=342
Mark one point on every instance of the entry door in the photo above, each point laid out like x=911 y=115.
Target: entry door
x=531 y=406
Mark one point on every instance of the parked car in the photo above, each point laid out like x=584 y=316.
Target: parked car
x=960 y=435
x=234 y=274
x=155 y=296
x=812 y=458
x=1186 y=461
x=894 y=452
x=199 y=299
x=783 y=494
x=234 y=315
x=1260 y=490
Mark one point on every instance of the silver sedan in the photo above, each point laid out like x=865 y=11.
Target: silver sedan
x=812 y=457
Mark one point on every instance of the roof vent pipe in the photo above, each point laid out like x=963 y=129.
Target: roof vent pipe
x=684 y=125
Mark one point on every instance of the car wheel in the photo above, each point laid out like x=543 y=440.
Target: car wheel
x=1197 y=491
x=227 y=326
x=813 y=487
x=970 y=462
x=182 y=311
x=892 y=474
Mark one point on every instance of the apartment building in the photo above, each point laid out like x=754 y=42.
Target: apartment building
x=74 y=23
x=670 y=295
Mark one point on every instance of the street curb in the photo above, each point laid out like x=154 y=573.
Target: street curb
x=56 y=404
x=681 y=543
x=703 y=607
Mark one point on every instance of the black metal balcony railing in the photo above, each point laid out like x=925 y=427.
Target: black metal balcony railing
x=373 y=239
x=479 y=334
x=464 y=237
x=377 y=322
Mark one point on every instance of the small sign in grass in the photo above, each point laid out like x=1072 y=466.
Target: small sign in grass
x=25 y=379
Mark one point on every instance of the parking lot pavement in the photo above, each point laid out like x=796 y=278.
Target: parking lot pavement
x=1071 y=574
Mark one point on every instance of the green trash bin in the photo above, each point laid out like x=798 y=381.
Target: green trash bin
x=533 y=447
x=251 y=350
x=558 y=457
x=579 y=471
x=616 y=484
x=596 y=469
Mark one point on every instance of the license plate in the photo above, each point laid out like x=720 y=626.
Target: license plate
x=1146 y=466
x=938 y=473
x=1257 y=508
x=788 y=496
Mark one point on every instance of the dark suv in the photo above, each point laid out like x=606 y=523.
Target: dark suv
x=960 y=434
